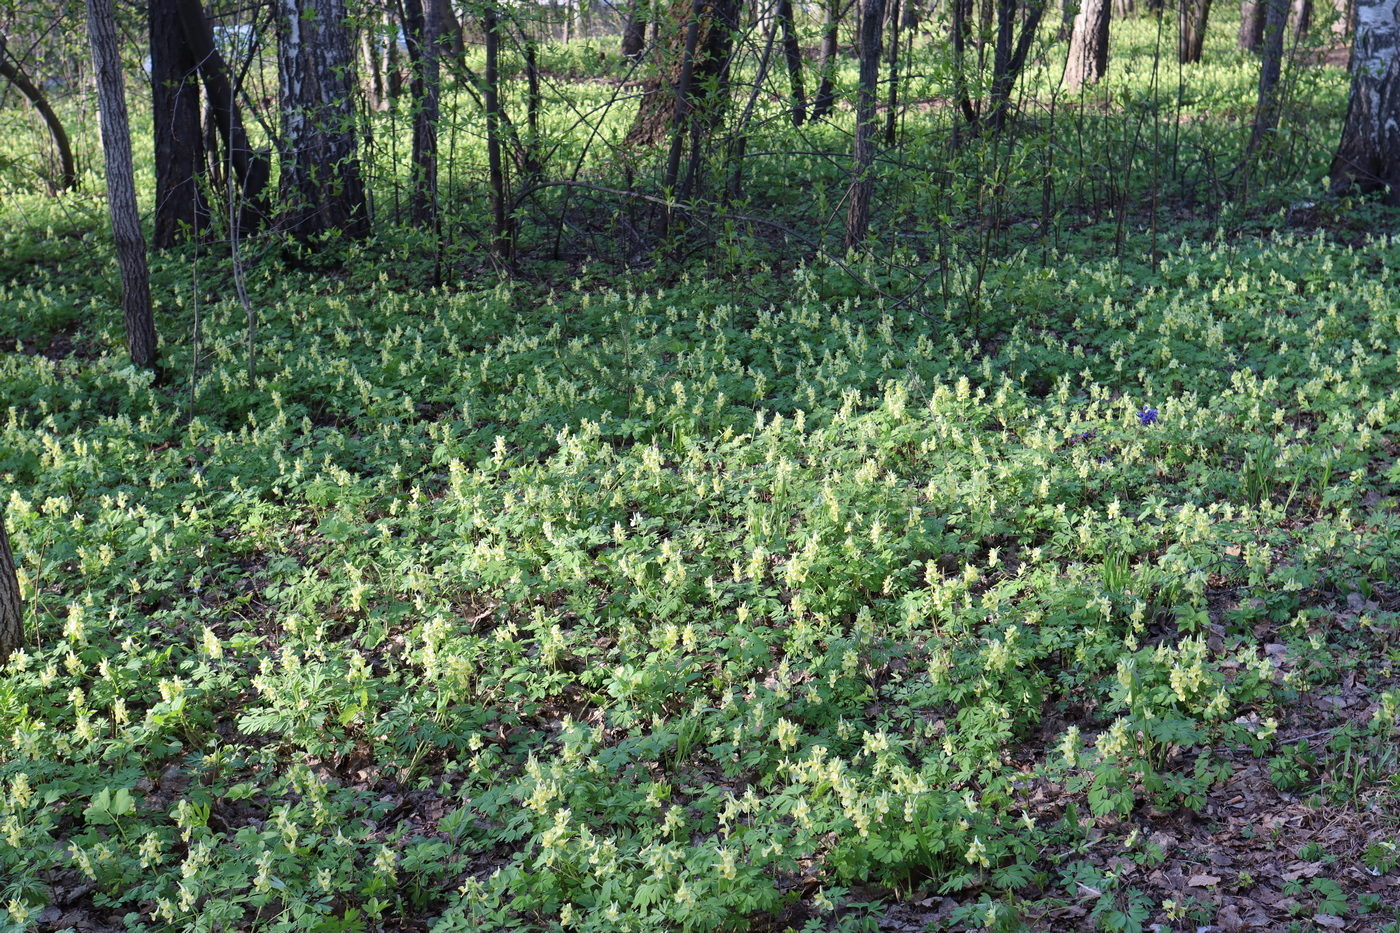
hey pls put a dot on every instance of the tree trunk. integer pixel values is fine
(11, 609)
(393, 70)
(634, 31)
(826, 88)
(370, 67)
(1088, 46)
(1368, 155)
(961, 10)
(121, 185)
(250, 169)
(1266, 113)
(322, 190)
(1010, 57)
(500, 240)
(12, 72)
(1302, 19)
(1251, 34)
(682, 115)
(423, 30)
(1193, 15)
(872, 16)
(453, 40)
(792, 54)
(892, 99)
(179, 142)
(716, 22)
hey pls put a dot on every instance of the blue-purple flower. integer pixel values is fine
(1147, 416)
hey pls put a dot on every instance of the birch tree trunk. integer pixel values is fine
(11, 609)
(322, 189)
(121, 185)
(1088, 45)
(1368, 155)
(872, 16)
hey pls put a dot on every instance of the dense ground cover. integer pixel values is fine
(511, 608)
(984, 581)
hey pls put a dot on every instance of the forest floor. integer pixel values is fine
(513, 607)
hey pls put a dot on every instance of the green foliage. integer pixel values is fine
(687, 601)
(650, 602)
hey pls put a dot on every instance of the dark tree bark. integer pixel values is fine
(792, 54)
(1251, 34)
(423, 30)
(121, 185)
(634, 31)
(1088, 46)
(1192, 16)
(11, 608)
(872, 16)
(681, 116)
(179, 141)
(715, 23)
(322, 190)
(393, 67)
(500, 236)
(11, 71)
(1368, 155)
(961, 12)
(892, 100)
(451, 35)
(1266, 113)
(826, 87)
(1010, 55)
(534, 105)
(250, 170)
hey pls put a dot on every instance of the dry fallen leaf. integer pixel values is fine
(1202, 881)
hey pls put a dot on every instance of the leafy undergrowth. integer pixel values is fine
(520, 610)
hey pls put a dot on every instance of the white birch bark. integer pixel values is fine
(1368, 157)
